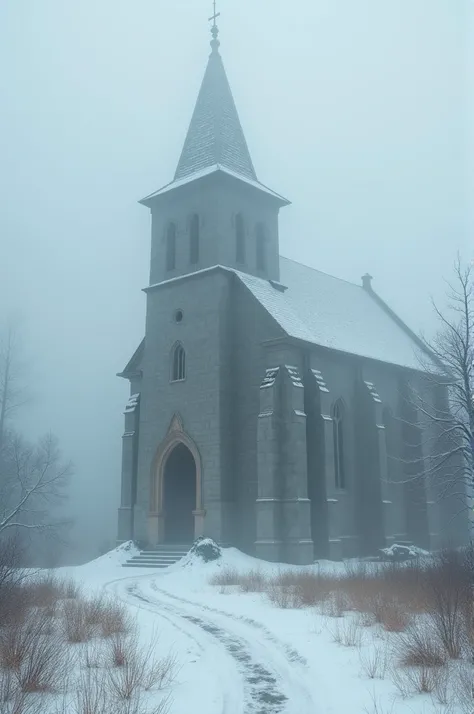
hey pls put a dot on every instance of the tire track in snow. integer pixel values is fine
(130, 595)
(262, 693)
(271, 668)
(291, 653)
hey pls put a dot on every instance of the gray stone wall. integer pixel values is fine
(201, 400)
(339, 374)
(252, 326)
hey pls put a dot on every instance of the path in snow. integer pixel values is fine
(270, 673)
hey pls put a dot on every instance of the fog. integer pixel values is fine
(356, 110)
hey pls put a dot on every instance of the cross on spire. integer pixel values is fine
(215, 15)
(214, 29)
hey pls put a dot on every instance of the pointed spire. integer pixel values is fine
(215, 135)
(215, 30)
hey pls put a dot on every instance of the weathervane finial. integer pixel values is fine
(214, 29)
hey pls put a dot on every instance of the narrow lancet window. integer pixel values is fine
(178, 365)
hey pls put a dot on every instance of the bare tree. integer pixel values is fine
(11, 389)
(33, 480)
(449, 414)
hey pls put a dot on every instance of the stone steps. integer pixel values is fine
(160, 557)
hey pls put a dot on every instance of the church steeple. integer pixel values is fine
(215, 136)
(215, 212)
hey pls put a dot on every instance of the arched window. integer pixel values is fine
(178, 364)
(338, 436)
(171, 247)
(260, 234)
(239, 239)
(194, 240)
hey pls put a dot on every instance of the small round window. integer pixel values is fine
(178, 316)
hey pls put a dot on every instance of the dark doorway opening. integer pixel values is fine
(179, 496)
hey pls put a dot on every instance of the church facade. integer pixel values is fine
(270, 404)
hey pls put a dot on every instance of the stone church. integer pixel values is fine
(270, 403)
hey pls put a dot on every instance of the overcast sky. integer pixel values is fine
(356, 110)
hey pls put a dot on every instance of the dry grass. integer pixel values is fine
(96, 617)
(91, 695)
(76, 622)
(420, 646)
(135, 667)
(46, 667)
(114, 619)
(93, 654)
(226, 577)
(419, 680)
(254, 581)
(374, 660)
(345, 632)
(42, 619)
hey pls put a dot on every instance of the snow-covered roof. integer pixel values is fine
(215, 141)
(327, 311)
(215, 135)
(207, 171)
(323, 310)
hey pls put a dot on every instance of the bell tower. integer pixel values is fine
(215, 211)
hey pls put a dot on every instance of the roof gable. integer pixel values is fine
(330, 312)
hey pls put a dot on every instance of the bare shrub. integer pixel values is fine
(419, 646)
(91, 694)
(393, 617)
(441, 692)
(227, 576)
(70, 589)
(311, 588)
(464, 688)
(280, 595)
(21, 703)
(377, 707)
(160, 673)
(418, 680)
(449, 586)
(77, 625)
(365, 619)
(119, 648)
(8, 685)
(125, 681)
(374, 660)
(98, 616)
(114, 619)
(45, 667)
(138, 667)
(252, 582)
(93, 654)
(94, 611)
(334, 629)
(44, 592)
(335, 605)
(351, 634)
(17, 639)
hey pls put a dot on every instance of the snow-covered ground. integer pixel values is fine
(239, 654)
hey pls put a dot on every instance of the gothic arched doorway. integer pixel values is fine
(179, 495)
